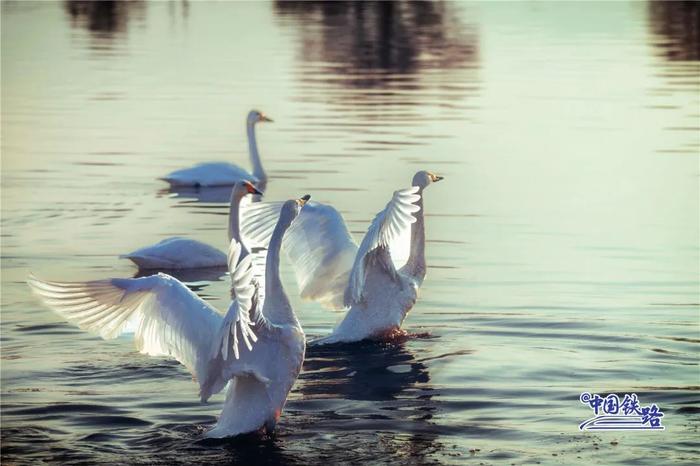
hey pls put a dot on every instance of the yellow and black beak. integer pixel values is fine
(265, 118)
(437, 178)
(303, 200)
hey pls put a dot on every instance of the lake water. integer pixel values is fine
(563, 245)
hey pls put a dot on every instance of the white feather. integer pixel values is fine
(389, 227)
(168, 318)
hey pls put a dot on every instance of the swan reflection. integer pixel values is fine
(368, 370)
(387, 387)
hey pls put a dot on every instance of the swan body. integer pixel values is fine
(183, 253)
(209, 175)
(387, 301)
(258, 390)
(377, 282)
(221, 173)
(257, 349)
(177, 253)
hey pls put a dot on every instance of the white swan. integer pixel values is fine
(170, 320)
(378, 281)
(184, 253)
(222, 173)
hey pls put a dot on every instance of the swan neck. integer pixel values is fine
(277, 308)
(234, 215)
(258, 171)
(416, 261)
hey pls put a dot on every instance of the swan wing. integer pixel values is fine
(168, 318)
(390, 230)
(245, 311)
(257, 222)
(317, 243)
(228, 356)
(257, 264)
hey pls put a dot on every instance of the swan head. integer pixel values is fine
(291, 209)
(424, 178)
(243, 188)
(255, 116)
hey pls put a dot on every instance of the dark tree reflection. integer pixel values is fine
(372, 39)
(103, 18)
(678, 23)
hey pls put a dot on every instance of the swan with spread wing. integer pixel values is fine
(221, 173)
(257, 349)
(184, 253)
(378, 281)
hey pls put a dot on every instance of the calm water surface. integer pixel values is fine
(562, 246)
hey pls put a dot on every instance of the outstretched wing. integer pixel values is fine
(390, 230)
(169, 319)
(241, 313)
(239, 322)
(318, 245)
(257, 222)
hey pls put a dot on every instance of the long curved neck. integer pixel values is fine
(416, 260)
(234, 215)
(254, 155)
(277, 308)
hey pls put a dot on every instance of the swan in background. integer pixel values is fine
(222, 173)
(184, 253)
(170, 320)
(378, 281)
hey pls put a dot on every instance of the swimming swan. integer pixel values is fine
(184, 253)
(378, 281)
(222, 173)
(170, 320)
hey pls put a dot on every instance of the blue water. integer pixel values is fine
(563, 245)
